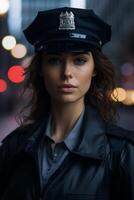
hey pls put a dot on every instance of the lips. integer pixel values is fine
(67, 86)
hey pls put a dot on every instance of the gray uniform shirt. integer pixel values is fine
(52, 155)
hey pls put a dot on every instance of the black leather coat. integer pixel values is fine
(100, 168)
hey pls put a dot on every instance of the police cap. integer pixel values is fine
(67, 29)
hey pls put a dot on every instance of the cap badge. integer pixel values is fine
(67, 21)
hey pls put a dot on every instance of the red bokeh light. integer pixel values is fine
(3, 85)
(16, 74)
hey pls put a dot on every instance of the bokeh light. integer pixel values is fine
(132, 96)
(129, 100)
(26, 61)
(4, 6)
(3, 85)
(127, 69)
(16, 74)
(119, 94)
(8, 42)
(19, 51)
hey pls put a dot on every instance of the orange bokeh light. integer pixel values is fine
(3, 85)
(16, 74)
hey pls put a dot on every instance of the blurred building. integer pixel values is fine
(120, 15)
(33, 6)
(26, 12)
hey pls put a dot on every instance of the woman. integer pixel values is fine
(68, 146)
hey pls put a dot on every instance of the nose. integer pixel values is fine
(67, 70)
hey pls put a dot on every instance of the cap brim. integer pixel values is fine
(66, 46)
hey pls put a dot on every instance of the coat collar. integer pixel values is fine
(93, 141)
(93, 138)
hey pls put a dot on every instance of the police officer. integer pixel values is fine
(69, 146)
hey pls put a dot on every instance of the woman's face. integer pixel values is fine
(67, 76)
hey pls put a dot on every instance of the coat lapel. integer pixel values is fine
(93, 140)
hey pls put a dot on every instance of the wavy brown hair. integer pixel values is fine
(99, 94)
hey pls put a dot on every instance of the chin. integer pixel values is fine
(68, 99)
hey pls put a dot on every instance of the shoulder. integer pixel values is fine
(122, 148)
(119, 133)
(121, 141)
(122, 145)
(14, 140)
(19, 132)
(19, 137)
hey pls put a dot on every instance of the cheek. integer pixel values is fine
(85, 79)
(86, 83)
(50, 79)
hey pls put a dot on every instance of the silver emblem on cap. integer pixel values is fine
(67, 21)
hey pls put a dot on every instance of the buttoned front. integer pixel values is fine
(88, 171)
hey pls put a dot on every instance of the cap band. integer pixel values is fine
(79, 38)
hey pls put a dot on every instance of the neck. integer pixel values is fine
(64, 117)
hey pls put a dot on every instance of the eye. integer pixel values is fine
(80, 61)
